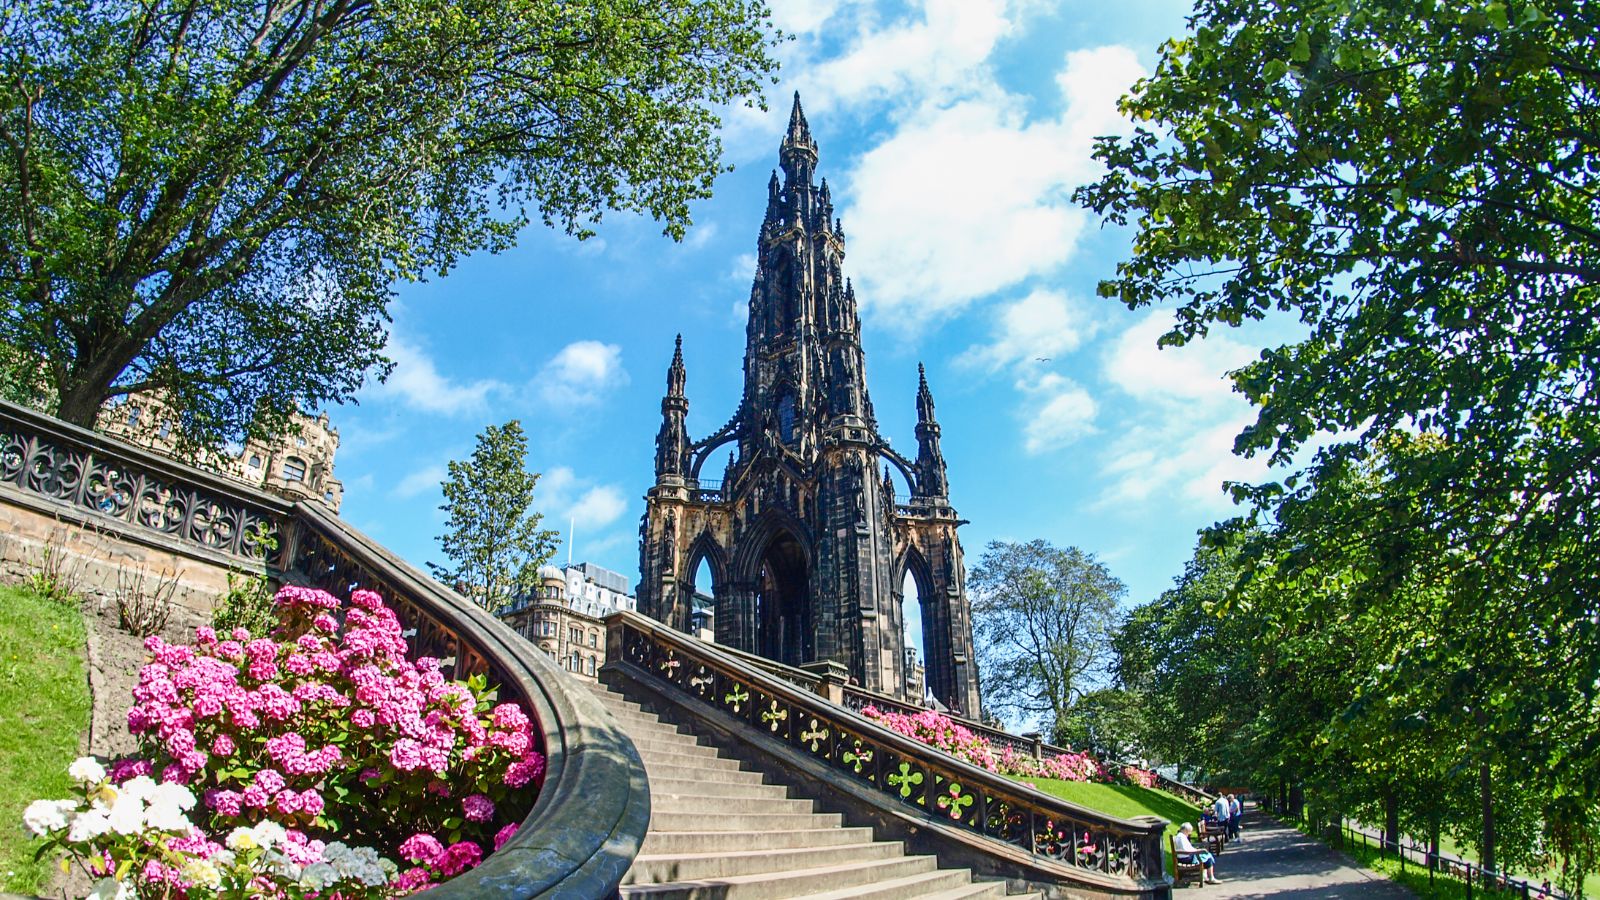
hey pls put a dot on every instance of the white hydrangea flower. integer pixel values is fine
(87, 770)
(45, 816)
(167, 817)
(109, 888)
(242, 838)
(202, 872)
(140, 788)
(268, 833)
(127, 815)
(173, 794)
(88, 826)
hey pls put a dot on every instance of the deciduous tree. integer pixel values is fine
(213, 197)
(492, 535)
(1042, 618)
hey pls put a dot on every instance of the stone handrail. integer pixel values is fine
(1061, 837)
(858, 698)
(593, 807)
(98, 481)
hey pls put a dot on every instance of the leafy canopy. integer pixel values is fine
(492, 535)
(1416, 184)
(1042, 617)
(213, 197)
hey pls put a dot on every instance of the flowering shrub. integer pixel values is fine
(136, 838)
(322, 730)
(942, 732)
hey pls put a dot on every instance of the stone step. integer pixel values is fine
(745, 823)
(682, 744)
(666, 771)
(695, 757)
(700, 787)
(721, 806)
(792, 883)
(657, 868)
(945, 884)
(666, 842)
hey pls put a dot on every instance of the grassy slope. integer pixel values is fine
(1123, 801)
(44, 710)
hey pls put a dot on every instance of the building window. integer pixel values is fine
(133, 417)
(589, 665)
(575, 635)
(299, 442)
(328, 497)
(594, 639)
(166, 428)
(575, 664)
(294, 469)
(255, 460)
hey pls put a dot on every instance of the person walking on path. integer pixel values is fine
(1235, 816)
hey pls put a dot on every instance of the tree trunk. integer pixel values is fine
(1486, 796)
(80, 404)
(1297, 799)
(1391, 819)
(1433, 841)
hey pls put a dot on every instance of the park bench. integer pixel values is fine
(1182, 871)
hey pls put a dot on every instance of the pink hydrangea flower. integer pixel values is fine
(477, 808)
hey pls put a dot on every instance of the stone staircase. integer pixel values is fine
(718, 831)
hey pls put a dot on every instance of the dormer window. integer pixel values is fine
(294, 469)
(255, 461)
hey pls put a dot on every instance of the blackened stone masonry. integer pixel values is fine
(806, 543)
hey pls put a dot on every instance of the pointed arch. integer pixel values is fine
(746, 563)
(706, 547)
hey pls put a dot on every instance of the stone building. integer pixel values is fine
(806, 541)
(297, 465)
(564, 614)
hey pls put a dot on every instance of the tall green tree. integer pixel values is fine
(1414, 185)
(492, 535)
(213, 197)
(1042, 619)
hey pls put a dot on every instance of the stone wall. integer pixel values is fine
(95, 559)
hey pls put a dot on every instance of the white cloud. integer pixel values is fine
(969, 198)
(580, 373)
(565, 497)
(417, 383)
(1180, 448)
(700, 235)
(1193, 373)
(930, 53)
(420, 481)
(1037, 328)
(1055, 411)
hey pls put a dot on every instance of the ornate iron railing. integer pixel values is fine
(902, 770)
(593, 807)
(103, 481)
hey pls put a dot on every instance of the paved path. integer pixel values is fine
(1277, 861)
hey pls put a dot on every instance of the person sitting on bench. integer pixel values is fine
(1189, 853)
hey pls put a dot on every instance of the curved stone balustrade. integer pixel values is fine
(594, 806)
(96, 480)
(992, 813)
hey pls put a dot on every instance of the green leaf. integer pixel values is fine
(1301, 51)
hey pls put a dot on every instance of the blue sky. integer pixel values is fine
(952, 133)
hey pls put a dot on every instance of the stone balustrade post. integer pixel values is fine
(831, 679)
(1036, 740)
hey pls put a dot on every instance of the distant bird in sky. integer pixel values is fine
(1042, 358)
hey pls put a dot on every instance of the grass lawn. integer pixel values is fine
(1123, 801)
(44, 711)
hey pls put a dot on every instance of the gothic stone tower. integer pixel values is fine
(806, 543)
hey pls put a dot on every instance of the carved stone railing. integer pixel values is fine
(991, 813)
(593, 807)
(96, 480)
(857, 698)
